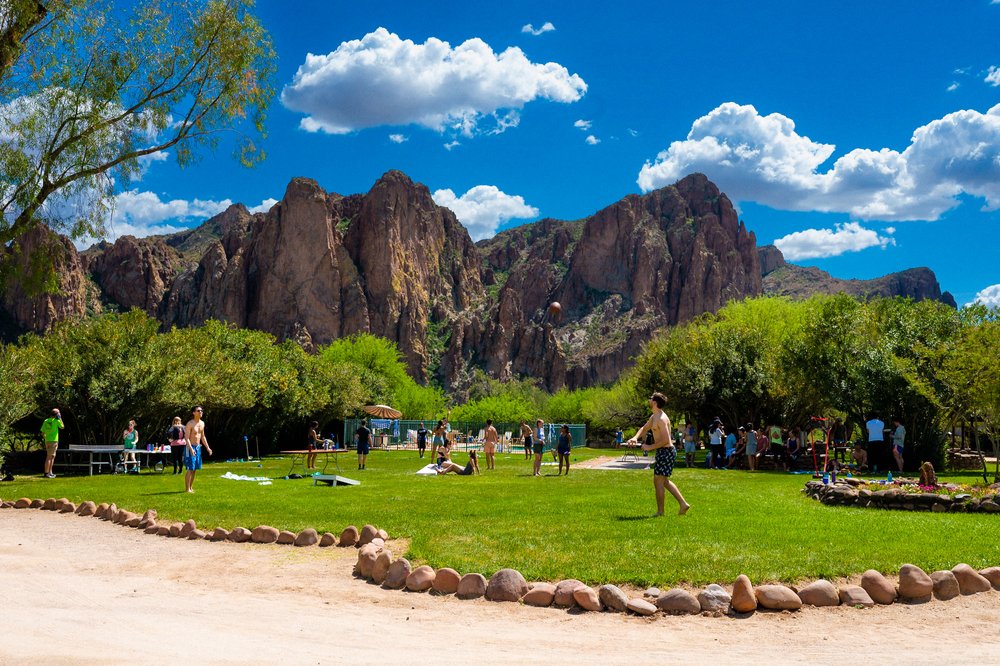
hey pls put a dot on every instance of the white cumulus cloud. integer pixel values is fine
(398, 138)
(993, 76)
(953, 87)
(847, 237)
(531, 30)
(264, 206)
(583, 124)
(382, 79)
(592, 140)
(764, 159)
(145, 209)
(484, 208)
(989, 297)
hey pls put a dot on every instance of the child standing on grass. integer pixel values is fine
(565, 444)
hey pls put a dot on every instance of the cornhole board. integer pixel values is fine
(334, 480)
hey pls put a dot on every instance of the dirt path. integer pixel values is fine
(83, 591)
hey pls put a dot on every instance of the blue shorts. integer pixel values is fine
(192, 463)
(563, 452)
(689, 447)
(363, 448)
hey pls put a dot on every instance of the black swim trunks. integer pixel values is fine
(663, 464)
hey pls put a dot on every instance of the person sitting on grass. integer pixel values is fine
(444, 452)
(793, 449)
(859, 456)
(471, 467)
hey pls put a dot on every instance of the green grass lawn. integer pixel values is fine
(592, 525)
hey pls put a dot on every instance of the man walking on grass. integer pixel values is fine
(364, 443)
(50, 433)
(666, 454)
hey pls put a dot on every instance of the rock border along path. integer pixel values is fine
(377, 564)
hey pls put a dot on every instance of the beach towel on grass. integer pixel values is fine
(429, 470)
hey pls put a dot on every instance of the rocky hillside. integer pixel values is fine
(783, 279)
(320, 265)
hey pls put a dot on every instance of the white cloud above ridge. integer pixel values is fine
(993, 76)
(382, 79)
(583, 125)
(953, 87)
(990, 297)
(821, 243)
(263, 206)
(531, 30)
(764, 159)
(484, 208)
(398, 138)
(592, 140)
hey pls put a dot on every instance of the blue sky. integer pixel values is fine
(862, 130)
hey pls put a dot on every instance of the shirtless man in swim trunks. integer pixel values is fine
(666, 454)
(491, 437)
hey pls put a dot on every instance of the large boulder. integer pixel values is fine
(22, 503)
(163, 530)
(914, 583)
(218, 534)
(198, 534)
(175, 530)
(970, 581)
(191, 526)
(472, 586)
(878, 587)
(307, 537)
(446, 581)
(640, 607)
(327, 540)
(678, 602)
(945, 585)
(368, 532)
(564, 592)
(819, 593)
(855, 595)
(49, 504)
(240, 535)
(992, 574)
(37, 503)
(348, 537)
(506, 585)
(381, 567)
(395, 577)
(69, 507)
(102, 509)
(714, 599)
(382, 534)
(264, 534)
(86, 508)
(587, 598)
(420, 579)
(134, 520)
(286, 537)
(744, 598)
(777, 597)
(151, 529)
(612, 597)
(540, 594)
(366, 560)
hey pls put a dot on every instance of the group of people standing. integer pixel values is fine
(533, 441)
(186, 442)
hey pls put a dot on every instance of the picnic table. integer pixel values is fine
(299, 457)
(154, 459)
(89, 457)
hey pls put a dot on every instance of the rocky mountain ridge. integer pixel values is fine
(318, 266)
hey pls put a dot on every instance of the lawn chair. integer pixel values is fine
(505, 442)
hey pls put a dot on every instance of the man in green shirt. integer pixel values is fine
(50, 433)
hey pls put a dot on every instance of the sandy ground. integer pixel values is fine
(82, 591)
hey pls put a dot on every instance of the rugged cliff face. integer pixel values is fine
(639, 264)
(783, 279)
(319, 266)
(34, 310)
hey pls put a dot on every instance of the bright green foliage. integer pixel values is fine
(88, 89)
(971, 375)
(17, 390)
(379, 366)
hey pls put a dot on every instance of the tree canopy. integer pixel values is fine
(90, 92)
